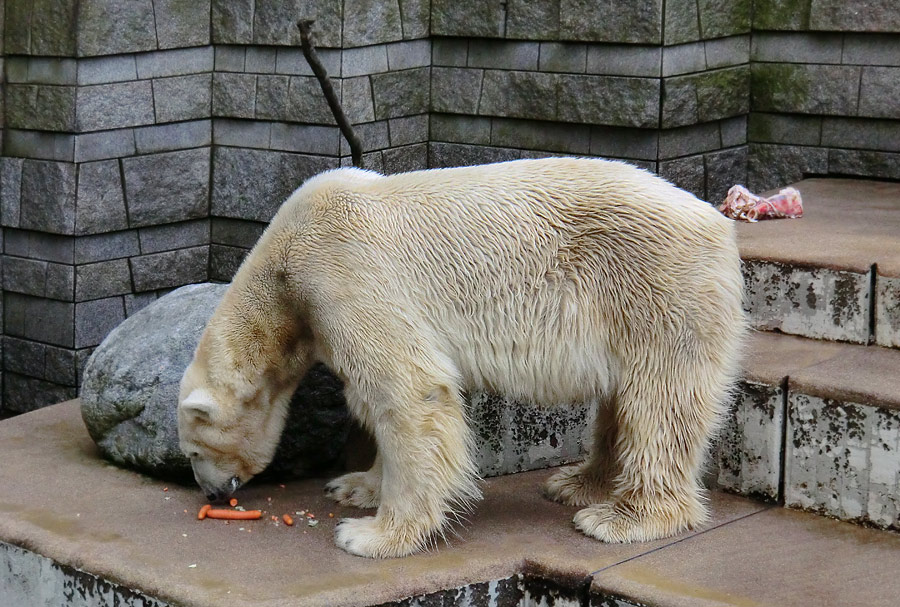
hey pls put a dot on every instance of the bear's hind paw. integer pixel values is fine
(366, 537)
(615, 525)
(360, 489)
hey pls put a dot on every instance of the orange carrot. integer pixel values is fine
(203, 512)
(234, 515)
(288, 520)
(233, 502)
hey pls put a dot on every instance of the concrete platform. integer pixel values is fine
(61, 501)
(833, 274)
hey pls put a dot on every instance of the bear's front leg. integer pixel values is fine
(427, 472)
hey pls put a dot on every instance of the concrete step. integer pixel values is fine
(816, 425)
(835, 273)
(75, 530)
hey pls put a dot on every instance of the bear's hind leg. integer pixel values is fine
(590, 481)
(360, 489)
(428, 472)
(665, 418)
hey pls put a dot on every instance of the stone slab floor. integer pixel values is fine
(58, 499)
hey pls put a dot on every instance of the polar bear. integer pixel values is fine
(551, 281)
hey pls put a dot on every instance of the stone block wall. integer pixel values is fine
(825, 80)
(146, 143)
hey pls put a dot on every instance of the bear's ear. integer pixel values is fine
(200, 402)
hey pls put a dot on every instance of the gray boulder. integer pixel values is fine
(129, 394)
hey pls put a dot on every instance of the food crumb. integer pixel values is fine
(312, 522)
(233, 502)
(165, 488)
(288, 520)
(331, 515)
(282, 486)
(192, 566)
(184, 535)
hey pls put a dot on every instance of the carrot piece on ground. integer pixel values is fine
(203, 512)
(288, 520)
(233, 502)
(234, 515)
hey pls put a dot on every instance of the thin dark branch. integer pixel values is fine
(309, 51)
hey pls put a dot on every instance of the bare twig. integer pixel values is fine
(309, 51)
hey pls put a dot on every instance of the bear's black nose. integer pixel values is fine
(214, 496)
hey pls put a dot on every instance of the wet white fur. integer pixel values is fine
(552, 281)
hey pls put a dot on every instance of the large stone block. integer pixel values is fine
(182, 23)
(41, 145)
(609, 100)
(502, 54)
(95, 319)
(782, 128)
(52, 27)
(781, 14)
(407, 55)
(40, 107)
(102, 70)
(274, 21)
(883, 135)
(224, 261)
(232, 58)
(723, 170)
(48, 197)
(41, 70)
(24, 357)
(804, 88)
(623, 142)
(22, 394)
(306, 103)
(688, 173)
(549, 136)
(373, 135)
(610, 21)
(120, 26)
(170, 269)
(113, 106)
(38, 278)
(371, 22)
(416, 18)
(863, 163)
(182, 97)
(260, 59)
(235, 232)
(100, 204)
(718, 19)
(173, 236)
(456, 154)
(39, 319)
(871, 49)
(175, 62)
(272, 97)
(706, 96)
(518, 95)
(777, 166)
(101, 247)
(855, 15)
(792, 47)
(357, 100)
(563, 57)
(450, 52)
(748, 452)
(167, 137)
(306, 138)
(364, 61)
(724, 52)
(841, 460)
(252, 184)
(815, 302)
(103, 279)
(104, 144)
(243, 133)
(887, 311)
(879, 90)
(403, 93)
(683, 59)
(39, 245)
(460, 129)
(232, 21)
(405, 158)
(408, 130)
(455, 90)
(167, 187)
(475, 18)
(529, 20)
(10, 190)
(17, 28)
(682, 21)
(233, 95)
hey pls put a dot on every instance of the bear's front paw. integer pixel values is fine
(360, 489)
(366, 537)
(573, 486)
(616, 525)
